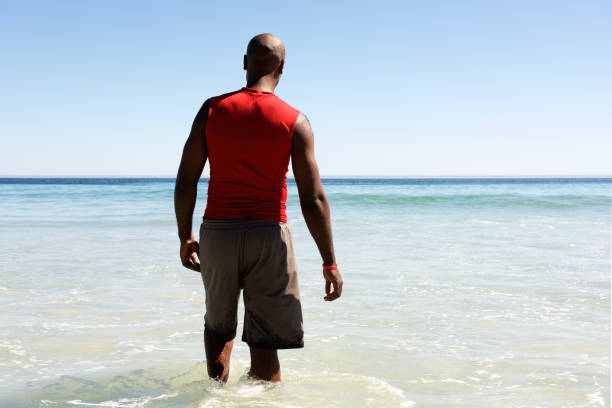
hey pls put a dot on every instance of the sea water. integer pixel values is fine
(458, 293)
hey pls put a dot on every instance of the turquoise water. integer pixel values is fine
(458, 293)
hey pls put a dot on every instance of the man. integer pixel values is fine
(249, 136)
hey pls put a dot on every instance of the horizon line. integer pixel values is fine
(382, 176)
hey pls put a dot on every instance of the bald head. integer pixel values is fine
(265, 56)
(266, 45)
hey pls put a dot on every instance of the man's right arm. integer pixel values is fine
(186, 187)
(315, 207)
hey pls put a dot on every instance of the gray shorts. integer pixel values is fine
(256, 256)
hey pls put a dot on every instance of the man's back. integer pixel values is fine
(248, 137)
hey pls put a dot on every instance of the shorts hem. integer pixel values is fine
(224, 338)
(274, 346)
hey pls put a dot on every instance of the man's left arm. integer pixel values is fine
(186, 189)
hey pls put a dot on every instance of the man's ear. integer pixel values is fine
(244, 62)
(281, 66)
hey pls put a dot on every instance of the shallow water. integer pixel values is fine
(458, 293)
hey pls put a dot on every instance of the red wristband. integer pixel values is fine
(330, 267)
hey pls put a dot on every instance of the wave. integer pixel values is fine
(475, 200)
(185, 384)
(326, 180)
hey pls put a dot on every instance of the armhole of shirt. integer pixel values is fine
(293, 125)
(210, 103)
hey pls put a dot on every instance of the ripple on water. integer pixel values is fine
(187, 385)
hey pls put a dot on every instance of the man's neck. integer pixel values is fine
(262, 84)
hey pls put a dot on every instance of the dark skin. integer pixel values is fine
(264, 63)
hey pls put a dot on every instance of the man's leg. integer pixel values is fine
(217, 357)
(219, 246)
(264, 364)
(272, 309)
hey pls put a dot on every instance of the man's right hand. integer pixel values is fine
(189, 254)
(332, 278)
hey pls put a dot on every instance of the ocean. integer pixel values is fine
(457, 293)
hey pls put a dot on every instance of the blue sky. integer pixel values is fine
(391, 88)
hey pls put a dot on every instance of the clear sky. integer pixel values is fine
(391, 88)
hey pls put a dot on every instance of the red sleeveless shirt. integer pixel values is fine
(248, 137)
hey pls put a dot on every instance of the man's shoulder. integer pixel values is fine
(214, 100)
(286, 106)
